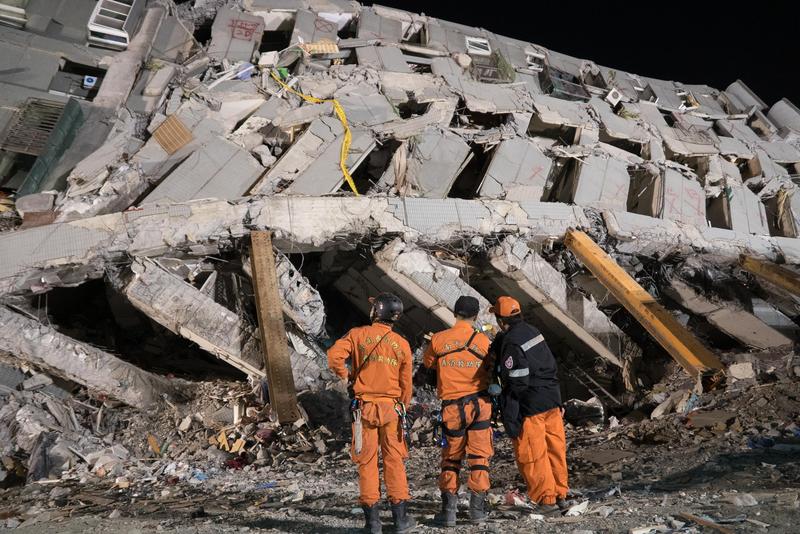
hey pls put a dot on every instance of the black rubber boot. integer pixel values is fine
(372, 518)
(565, 504)
(447, 517)
(477, 507)
(402, 521)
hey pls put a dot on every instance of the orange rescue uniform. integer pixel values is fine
(460, 357)
(384, 360)
(541, 453)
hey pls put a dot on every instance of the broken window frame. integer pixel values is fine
(535, 60)
(566, 86)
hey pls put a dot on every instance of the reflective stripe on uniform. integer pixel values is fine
(528, 345)
(518, 373)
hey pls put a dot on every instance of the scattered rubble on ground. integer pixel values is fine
(197, 197)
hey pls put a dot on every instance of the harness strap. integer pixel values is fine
(466, 347)
(461, 402)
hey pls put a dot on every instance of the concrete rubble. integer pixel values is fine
(384, 151)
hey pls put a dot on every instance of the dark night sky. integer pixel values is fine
(688, 42)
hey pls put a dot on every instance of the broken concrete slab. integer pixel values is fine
(616, 126)
(368, 110)
(320, 135)
(324, 174)
(439, 114)
(434, 160)
(683, 200)
(649, 236)
(371, 26)
(43, 347)
(302, 115)
(596, 181)
(218, 169)
(560, 112)
(310, 27)
(518, 171)
(383, 58)
(90, 174)
(786, 116)
(730, 319)
(490, 98)
(743, 98)
(401, 87)
(736, 206)
(302, 303)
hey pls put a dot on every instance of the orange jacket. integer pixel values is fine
(459, 373)
(386, 374)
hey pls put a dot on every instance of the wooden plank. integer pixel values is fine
(657, 320)
(172, 135)
(282, 394)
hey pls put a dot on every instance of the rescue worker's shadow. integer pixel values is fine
(724, 469)
(335, 510)
(299, 525)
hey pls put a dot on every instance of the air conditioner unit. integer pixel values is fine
(613, 97)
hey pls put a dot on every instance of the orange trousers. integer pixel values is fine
(476, 445)
(541, 451)
(380, 430)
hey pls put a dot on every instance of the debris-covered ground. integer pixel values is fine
(197, 197)
(732, 459)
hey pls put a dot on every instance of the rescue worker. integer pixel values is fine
(459, 358)
(380, 385)
(530, 402)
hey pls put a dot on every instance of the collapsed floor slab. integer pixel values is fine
(43, 347)
(568, 314)
(64, 254)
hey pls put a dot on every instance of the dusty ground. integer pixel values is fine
(636, 474)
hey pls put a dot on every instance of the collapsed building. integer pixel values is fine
(642, 223)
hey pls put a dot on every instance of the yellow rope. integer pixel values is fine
(337, 108)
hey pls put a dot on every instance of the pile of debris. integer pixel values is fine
(201, 196)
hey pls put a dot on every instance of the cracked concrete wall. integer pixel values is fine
(59, 355)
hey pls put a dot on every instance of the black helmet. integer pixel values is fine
(386, 307)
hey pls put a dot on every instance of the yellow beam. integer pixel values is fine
(775, 274)
(670, 334)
